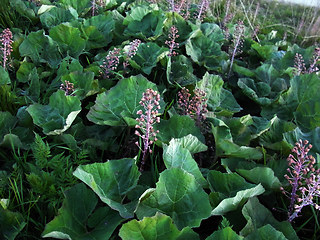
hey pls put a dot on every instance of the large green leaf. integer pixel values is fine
(119, 105)
(224, 234)
(220, 100)
(266, 87)
(225, 145)
(232, 189)
(111, 181)
(190, 142)
(23, 73)
(213, 32)
(11, 223)
(176, 156)
(227, 184)
(98, 31)
(136, 14)
(180, 71)
(274, 139)
(41, 49)
(149, 27)
(178, 195)
(246, 128)
(183, 26)
(258, 216)
(231, 204)
(177, 127)
(158, 227)
(22, 8)
(69, 65)
(263, 175)
(267, 232)
(58, 116)
(83, 82)
(69, 39)
(4, 76)
(78, 219)
(82, 6)
(265, 51)
(147, 56)
(7, 123)
(33, 92)
(313, 137)
(204, 51)
(55, 16)
(299, 103)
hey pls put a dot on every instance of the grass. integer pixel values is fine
(295, 23)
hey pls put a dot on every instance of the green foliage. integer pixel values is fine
(41, 152)
(62, 120)
(11, 224)
(41, 49)
(58, 116)
(78, 214)
(178, 195)
(258, 216)
(177, 127)
(119, 105)
(176, 156)
(159, 226)
(68, 39)
(226, 233)
(111, 181)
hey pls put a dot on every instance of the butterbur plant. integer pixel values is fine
(195, 107)
(303, 178)
(133, 48)
(172, 44)
(110, 63)
(6, 45)
(148, 117)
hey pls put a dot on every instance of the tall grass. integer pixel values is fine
(297, 23)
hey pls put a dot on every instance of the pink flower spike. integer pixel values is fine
(6, 48)
(149, 101)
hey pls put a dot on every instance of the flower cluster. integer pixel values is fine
(110, 63)
(202, 9)
(68, 88)
(303, 178)
(172, 44)
(133, 48)
(300, 66)
(228, 15)
(181, 7)
(314, 61)
(95, 4)
(195, 107)
(148, 117)
(6, 45)
(237, 42)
